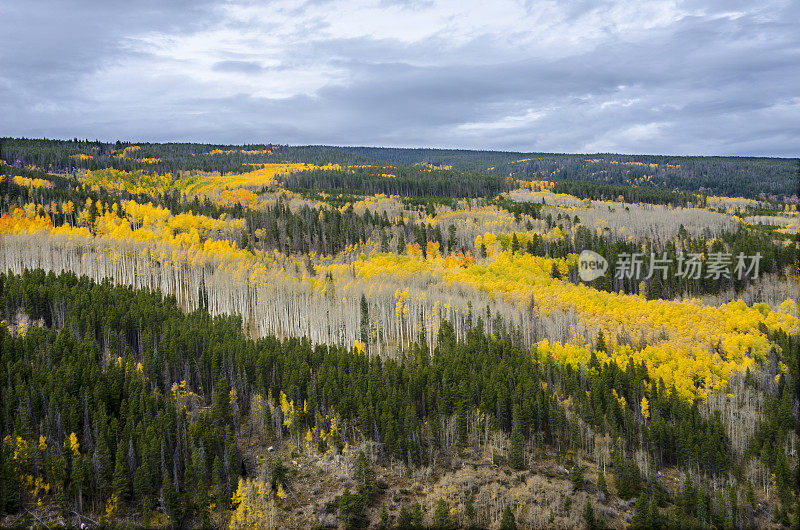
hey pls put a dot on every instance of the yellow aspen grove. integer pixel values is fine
(277, 336)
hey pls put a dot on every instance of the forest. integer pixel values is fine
(198, 335)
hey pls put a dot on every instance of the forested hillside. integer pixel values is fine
(728, 176)
(265, 336)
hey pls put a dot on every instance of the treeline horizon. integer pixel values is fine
(769, 178)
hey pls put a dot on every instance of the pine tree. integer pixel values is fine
(217, 480)
(641, 513)
(601, 482)
(508, 522)
(404, 521)
(517, 456)
(196, 484)
(620, 474)
(634, 478)
(221, 405)
(9, 487)
(600, 344)
(588, 515)
(469, 508)
(654, 519)
(170, 498)
(384, 241)
(105, 466)
(416, 515)
(365, 478)
(441, 515)
(554, 272)
(121, 482)
(688, 498)
(278, 474)
(365, 322)
(351, 510)
(576, 476)
(383, 523)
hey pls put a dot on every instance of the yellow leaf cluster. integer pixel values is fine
(32, 183)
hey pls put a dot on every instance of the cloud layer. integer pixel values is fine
(693, 77)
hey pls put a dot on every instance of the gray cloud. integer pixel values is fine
(717, 78)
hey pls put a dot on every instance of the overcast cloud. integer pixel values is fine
(697, 77)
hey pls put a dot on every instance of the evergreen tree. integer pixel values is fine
(588, 515)
(364, 476)
(517, 456)
(688, 497)
(105, 466)
(441, 515)
(576, 476)
(508, 522)
(364, 321)
(122, 482)
(278, 474)
(221, 405)
(404, 521)
(351, 510)
(621, 480)
(416, 515)
(469, 509)
(641, 514)
(170, 498)
(9, 488)
(654, 519)
(600, 344)
(554, 272)
(383, 522)
(601, 482)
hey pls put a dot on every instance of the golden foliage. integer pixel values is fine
(253, 505)
(32, 183)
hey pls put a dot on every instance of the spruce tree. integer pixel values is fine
(620, 474)
(441, 515)
(9, 487)
(469, 508)
(383, 523)
(364, 321)
(121, 481)
(364, 476)
(601, 482)
(588, 515)
(576, 476)
(641, 513)
(508, 521)
(404, 521)
(517, 456)
(600, 344)
(170, 498)
(416, 515)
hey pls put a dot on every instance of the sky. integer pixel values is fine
(713, 77)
